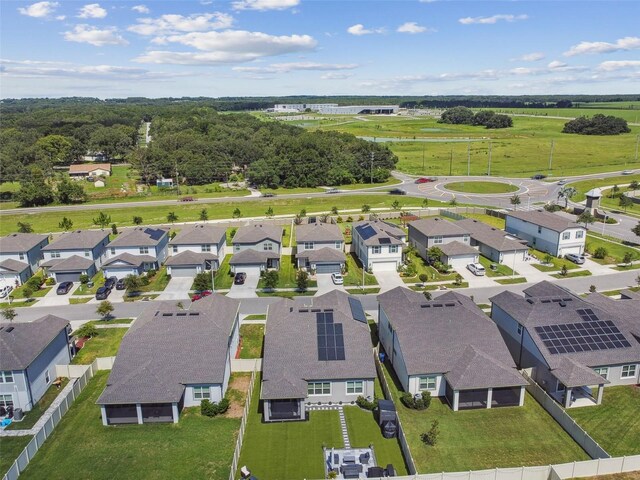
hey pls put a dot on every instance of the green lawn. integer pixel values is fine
(353, 277)
(364, 430)
(578, 273)
(360, 291)
(10, 448)
(481, 187)
(496, 222)
(615, 424)
(485, 439)
(586, 185)
(511, 281)
(157, 283)
(254, 316)
(288, 450)
(33, 415)
(106, 344)
(252, 336)
(423, 268)
(98, 281)
(615, 251)
(556, 263)
(78, 301)
(223, 277)
(81, 447)
(501, 270)
(287, 274)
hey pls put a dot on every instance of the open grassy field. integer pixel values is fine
(481, 187)
(615, 251)
(586, 185)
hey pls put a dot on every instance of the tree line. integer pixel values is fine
(465, 116)
(597, 125)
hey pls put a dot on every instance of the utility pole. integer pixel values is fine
(213, 285)
(489, 169)
(551, 155)
(372, 154)
(637, 141)
(177, 179)
(468, 159)
(423, 145)
(450, 161)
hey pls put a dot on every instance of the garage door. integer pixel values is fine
(461, 261)
(118, 273)
(249, 269)
(68, 277)
(328, 268)
(384, 266)
(183, 271)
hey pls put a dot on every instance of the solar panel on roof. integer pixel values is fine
(357, 312)
(587, 315)
(330, 337)
(576, 337)
(366, 231)
(154, 234)
(385, 241)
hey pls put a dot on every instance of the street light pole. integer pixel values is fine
(489, 169)
(372, 167)
(423, 146)
(604, 223)
(551, 155)
(637, 141)
(213, 285)
(468, 159)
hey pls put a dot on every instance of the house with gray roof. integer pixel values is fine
(20, 256)
(172, 358)
(320, 247)
(548, 232)
(135, 251)
(317, 351)
(378, 245)
(29, 353)
(449, 348)
(76, 253)
(452, 239)
(256, 248)
(495, 244)
(571, 346)
(195, 249)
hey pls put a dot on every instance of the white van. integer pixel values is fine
(5, 290)
(476, 268)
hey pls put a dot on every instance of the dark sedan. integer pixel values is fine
(240, 278)
(103, 293)
(111, 282)
(64, 288)
(120, 284)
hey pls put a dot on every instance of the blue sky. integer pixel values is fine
(288, 47)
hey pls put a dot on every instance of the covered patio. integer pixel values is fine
(574, 385)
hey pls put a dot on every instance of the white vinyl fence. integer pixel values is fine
(243, 425)
(246, 365)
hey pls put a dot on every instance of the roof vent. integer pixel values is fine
(181, 314)
(194, 314)
(449, 304)
(167, 314)
(530, 300)
(562, 304)
(425, 305)
(437, 305)
(9, 329)
(290, 309)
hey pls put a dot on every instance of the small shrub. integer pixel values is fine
(50, 281)
(564, 271)
(592, 288)
(339, 220)
(600, 253)
(552, 207)
(421, 403)
(431, 437)
(423, 277)
(84, 279)
(210, 409)
(145, 281)
(87, 330)
(366, 404)
(152, 273)
(349, 219)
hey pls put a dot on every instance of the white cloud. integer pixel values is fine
(336, 76)
(231, 46)
(531, 57)
(61, 17)
(411, 27)
(613, 65)
(264, 4)
(39, 10)
(626, 43)
(358, 29)
(173, 24)
(491, 20)
(95, 36)
(556, 64)
(140, 9)
(92, 10)
(295, 66)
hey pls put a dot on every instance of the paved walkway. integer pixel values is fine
(45, 416)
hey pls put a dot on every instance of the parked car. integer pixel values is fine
(425, 180)
(562, 182)
(103, 293)
(111, 282)
(5, 290)
(199, 295)
(628, 172)
(575, 258)
(120, 284)
(187, 199)
(240, 278)
(337, 279)
(333, 190)
(64, 288)
(539, 176)
(477, 269)
(268, 194)
(397, 191)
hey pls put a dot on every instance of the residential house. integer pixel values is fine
(195, 249)
(76, 253)
(448, 347)
(452, 239)
(20, 255)
(569, 345)
(317, 351)
(30, 352)
(547, 232)
(256, 248)
(170, 359)
(136, 251)
(82, 171)
(495, 244)
(378, 245)
(320, 247)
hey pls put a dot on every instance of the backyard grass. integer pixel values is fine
(486, 438)
(254, 316)
(196, 447)
(422, 268)
(223, 278)
(252, 339)
(495, 222)
(32, 416)
(481, 187)
(105, 344)
(353, 277)
(288, 450)
(615, 424)
(10, 448)
(287, 274)
(364, 430)
(615, 251)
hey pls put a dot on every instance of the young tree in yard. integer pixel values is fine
(303, 213)
(236, 213)
(636, 229)
(638, 280)
(628, 258)
(24, 227)
(202, 282)
(625, 202)
(9, 314)
(302, 280)
(586, 218)
(515, 201)
(137, 220)
(425, 202)
(104, 309)
(65, 224)
(396, 205)
(114, 229)
(271, 278)
(434, 254)
(634, 185)
(458, 280)
(204, 216)
(27, 291)
(567, 193)
(431, 437)
(592, 289)
(548, 259)
(564, 271)
(600, 253)
(269, 212)
(334, 210)
(87, 331)
(102, 220)
(366, 208)
(614, 191)
(172, 217)
(453, 202)
(132, 283)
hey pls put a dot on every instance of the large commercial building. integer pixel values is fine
(335, 109)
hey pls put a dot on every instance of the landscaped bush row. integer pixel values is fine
(422, 402)
(366, 404)
(211, 409)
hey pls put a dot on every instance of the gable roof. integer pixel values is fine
(14, 265)
(21, 342)
(626, 308)
(377, 232)
(139, 237)
(20, 242)
(88, 167)
(199, 234)
(325, 254)
(256, 233)
(250, 256)
(492, 237)
(431, 227)
(318, 232)
(70, 264)
(455, 248)
(77, 240)
(290, 357)
(167, 348)
(189, 257)
(545, 219)
(129, 259)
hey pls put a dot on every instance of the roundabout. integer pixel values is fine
(481, 187)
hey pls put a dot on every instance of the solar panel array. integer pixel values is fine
(385, 241)
(582, 337)
(357, 312)
(330, 337)
(366, 231)
(587, 315)
(155, 234)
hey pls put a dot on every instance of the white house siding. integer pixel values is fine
(159, 252)
(32, 257)
(544, 239)
(422, 243)
(339, 392)
(572, 244)
(615, 373)
(441, 384)
(215, 391)
(239, 247)
(119, 271)
(368, 258)
(508, 258)
(216, 249)
(392, 348)
(18, 390)
(10, 278)
(98, 254)
(316, 246)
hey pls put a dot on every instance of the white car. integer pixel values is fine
(5, 290)
(562, 182)
(477, 269)
(337, 279)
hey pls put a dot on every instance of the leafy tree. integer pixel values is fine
(457, 116)
(614, 191)
(69, 192)
(65, 224)
(24, 227)
(396, 205)
(137, 220)
(434, 254)
(636, 229)
(202, 282)
(271, 278)
(114, 229)
(431, 437)
(172, 217)
(600, 253)
(548, 259)
(269, 212)
(104, 309)
(567, 193)
(132, 283)
(204, 216)
(84, 279)
(102, 220)
(236, 213)
(625, 202)
(8, 313)
(334, 210)
(628, 258)
(515, 201)
(453, 202)
(34, 191)
(303, 212)
(54, 148)
(564, 271)
(302, 280)
(425, 202)
(597, 125)
(586, 218)
(366, 208)
(592, 289)
(87, 330)
(499, 121)
(458, 280)
(634, 185)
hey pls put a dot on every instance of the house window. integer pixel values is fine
(55, 254)
(355, 387)
(628, 371)
(144, 250)
(21, 256)
(437, 240)
(465, 238)
(6, 376)
(602, 371)
(308, 245)
(47, 377)
(376, 249)
(6, 401)
(319, 388)
(539, 229)
(393, 248)
(268, 246)
(201, 393)
(205, 248)
(519, 329)
(566, 235)
(175, 249)
(427, 383)
(338, 245)
(580, 234)
(87, 253)
(113, 251)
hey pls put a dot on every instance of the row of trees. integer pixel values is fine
(465, 116)
(37, 190)
(597, 125)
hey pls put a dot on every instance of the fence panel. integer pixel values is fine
(243, 423)
(13, 473)
(32, 448)
(22, 460)
(40, 437)
(245, 365)
(104, 363)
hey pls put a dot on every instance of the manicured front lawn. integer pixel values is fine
(106, 344)
(157, 283)
(223, 279)
(98, 281)
(287, 274)
(579, 273)
(288, 450)
(252, 336)
(485, 439)
(615, 424)
(81, 447)
(353, 277)
(18, 293)
(556, 263)
(422, 268)
(32, 416)
(10, 448)
(615, 251)
(511, 281)
(501, 270)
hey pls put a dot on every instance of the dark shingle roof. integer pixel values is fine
(318, 232)
(257, 233)
(167, 347)
(449, 335)
(492, 237)
(325, 254)
(250, 256)
(291, 350)
(573, 374)
(545, 219)
(79, 239)
(377, 232)
(133, 260)
(71, 264)
(189, 258)
(139, 237)
(626, 309)
(20, 242)
(454, 248)
(22, 345)
(14, 265)
(199, 235)
(431, 227)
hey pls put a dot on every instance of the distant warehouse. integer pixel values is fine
(335, 109)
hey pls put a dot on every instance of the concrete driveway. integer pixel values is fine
(177, 289)
(52, 299)
(389, 280)
(325, 284)
(248, 290)
(474, 280)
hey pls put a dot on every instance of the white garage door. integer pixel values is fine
(183, 271)
(118, 273)
(249, 269)
(384, 266)
(461, 261)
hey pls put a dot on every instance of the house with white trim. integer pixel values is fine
(73, 254)
(195, 249)
(256, 248)
(320, 247)
(135, 251)
(378, 245)
(20, 256)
